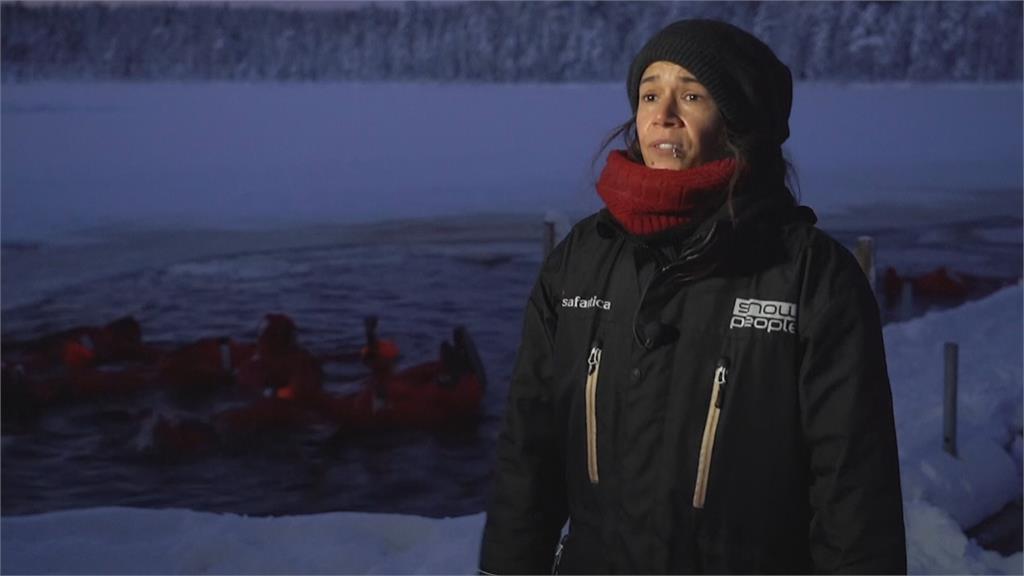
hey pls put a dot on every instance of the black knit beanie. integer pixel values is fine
(752, 88)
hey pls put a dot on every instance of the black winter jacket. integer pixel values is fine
(714, 400)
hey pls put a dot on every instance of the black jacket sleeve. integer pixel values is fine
(528, 503)
(846, 407)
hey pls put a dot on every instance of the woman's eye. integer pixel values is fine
(691, 97)
(649, 97)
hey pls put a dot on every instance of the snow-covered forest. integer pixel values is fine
(493, 41)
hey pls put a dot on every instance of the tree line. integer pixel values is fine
(493, 41)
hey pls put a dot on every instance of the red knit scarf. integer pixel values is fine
(647, 200)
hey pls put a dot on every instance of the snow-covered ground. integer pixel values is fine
(942, 495)
(133, 541)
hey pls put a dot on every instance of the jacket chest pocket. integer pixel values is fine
(586, 387)
(752, 404)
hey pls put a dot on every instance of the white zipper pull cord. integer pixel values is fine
(590, 395)
(707, 444)
(720, 378)
(594, 360)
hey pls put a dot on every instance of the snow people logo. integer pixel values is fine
(768, 315)
(593, 302)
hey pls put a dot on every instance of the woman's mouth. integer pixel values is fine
(668, 149)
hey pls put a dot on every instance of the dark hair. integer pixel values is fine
(755, 159)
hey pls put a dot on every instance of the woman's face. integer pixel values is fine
(677, 123)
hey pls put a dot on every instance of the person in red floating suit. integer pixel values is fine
(279, 367)
(86, 349)
(892, 284)
(443, 392)
(281, 380)
(284, 378)
(205, 365)
(939, 283)
(118, 341)
(381, 356)
(438, 393)
(76, 363)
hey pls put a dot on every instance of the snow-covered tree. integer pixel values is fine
(494, 41)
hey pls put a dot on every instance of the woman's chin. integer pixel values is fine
(668, 163)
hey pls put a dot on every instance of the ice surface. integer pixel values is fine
(33, 273)
(1007, 234)
(85, 155)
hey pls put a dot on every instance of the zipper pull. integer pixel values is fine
(595, 358)
(721, 377)
(558, 553)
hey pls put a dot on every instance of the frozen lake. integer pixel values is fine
(130, 156)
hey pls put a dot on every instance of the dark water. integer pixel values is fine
(1001, 532)
(986, 254)
(100, 453)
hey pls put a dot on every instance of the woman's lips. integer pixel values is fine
(667, 148)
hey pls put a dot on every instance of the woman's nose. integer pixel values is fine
(667, 114)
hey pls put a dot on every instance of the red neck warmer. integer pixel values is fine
(646, 200)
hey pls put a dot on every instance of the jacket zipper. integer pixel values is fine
(707, 445)
(594, 368)
(558, 553)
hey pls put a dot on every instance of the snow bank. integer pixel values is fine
(936, 545)
(985, 477)
(132, 541)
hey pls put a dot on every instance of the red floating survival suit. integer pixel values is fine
(206, 364)
(285, 378)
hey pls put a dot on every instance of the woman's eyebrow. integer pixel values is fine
(683, 79)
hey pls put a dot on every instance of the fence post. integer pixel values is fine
(549, 234)
(949, 407)
(865, 254)
(906, 298)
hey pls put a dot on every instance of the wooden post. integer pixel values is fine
(906, 298)
(949, 406)
(865, 254)
(549, 235)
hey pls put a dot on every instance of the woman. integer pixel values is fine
(701, 385)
